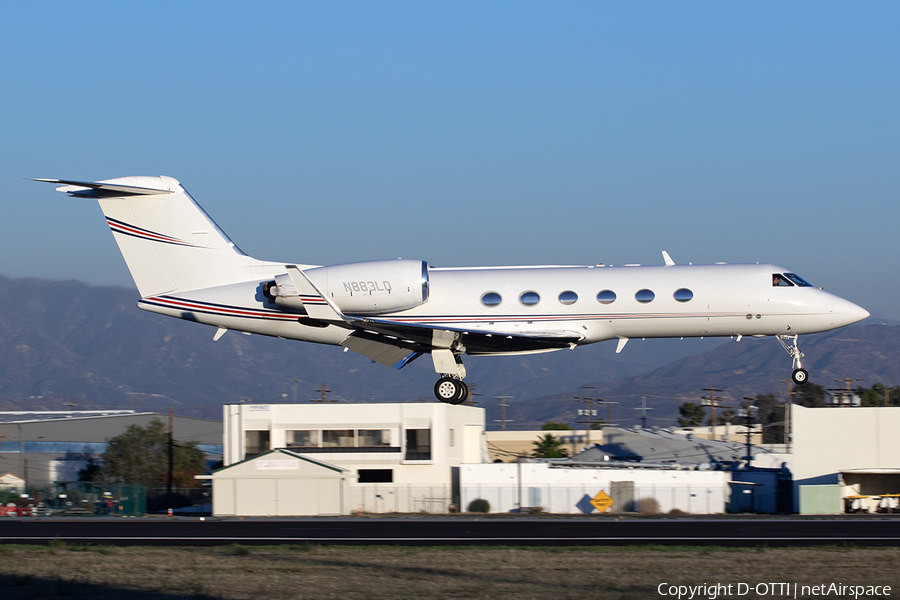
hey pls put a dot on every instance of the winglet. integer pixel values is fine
(668, 259)
(316, 304)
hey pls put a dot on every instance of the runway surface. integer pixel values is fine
(184, 531)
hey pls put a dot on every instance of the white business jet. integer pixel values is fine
(394, 311)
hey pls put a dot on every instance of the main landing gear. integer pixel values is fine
(800, 375)
(451, 391)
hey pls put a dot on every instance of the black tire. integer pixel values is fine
(463, 393)
(800, 376)
(448, 390)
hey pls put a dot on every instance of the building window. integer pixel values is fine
(375, 476)
(418, 444)
(255, 442)
(452, 437)
(374, 437)
(341, 438)
(308, 438)
(491, 299)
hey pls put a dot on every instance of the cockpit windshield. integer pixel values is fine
(797, 280)
(788, 280)
(778, 280)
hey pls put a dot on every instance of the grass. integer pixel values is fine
(389, 572)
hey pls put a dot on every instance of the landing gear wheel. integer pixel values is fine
(463, 393)
(449, 390)
(800, 376)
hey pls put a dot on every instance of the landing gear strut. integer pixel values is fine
(451, 391)
(800, 375)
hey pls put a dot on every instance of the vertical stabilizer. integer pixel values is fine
(168, 241)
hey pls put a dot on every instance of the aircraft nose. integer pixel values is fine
(847, 313)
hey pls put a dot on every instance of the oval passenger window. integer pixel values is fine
(684, 295)
(568, 297)
(644, 296)
(491, 299)
(606, 297)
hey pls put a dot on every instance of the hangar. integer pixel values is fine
(280, 483)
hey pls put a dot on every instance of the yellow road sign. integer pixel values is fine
(602, 501)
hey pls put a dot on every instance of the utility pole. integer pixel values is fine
(296, 381)
(472, 393)
(171, 451)
(643, 410)
(845, 393)
(748, 411)
(788, 403)
(503, 406)
(324, 395)
(588, 412)
(712, 401)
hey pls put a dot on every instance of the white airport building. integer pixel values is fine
(398, 457)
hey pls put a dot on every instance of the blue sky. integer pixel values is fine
(467, 133)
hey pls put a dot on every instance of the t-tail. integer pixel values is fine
(168, 241)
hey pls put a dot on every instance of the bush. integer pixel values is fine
(648, 506)
(480, 505)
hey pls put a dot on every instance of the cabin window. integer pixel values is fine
(606, 297)
(797, 280)
(529, 298)
(568, 297)
(779, 280)
(491, 299)
(644, 296)
(683, 295)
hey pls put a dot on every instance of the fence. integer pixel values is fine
(398, 498)
(81, 499)
(575, 499)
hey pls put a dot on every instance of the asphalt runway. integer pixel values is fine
(183, 531)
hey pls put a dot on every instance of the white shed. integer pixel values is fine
(280, 483)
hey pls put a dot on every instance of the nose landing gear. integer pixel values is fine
(799, 375)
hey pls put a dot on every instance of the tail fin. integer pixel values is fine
(168, 241)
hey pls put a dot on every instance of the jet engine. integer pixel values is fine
(371, 287)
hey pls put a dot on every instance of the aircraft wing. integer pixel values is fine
(426, 337)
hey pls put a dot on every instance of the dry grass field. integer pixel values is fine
(349, 573)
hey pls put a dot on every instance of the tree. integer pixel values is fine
(140, 455)
(771, 416)
(810, 395)
(555, 426)
(726, 416)
(92, 471)
(549, 446)
(691, 414)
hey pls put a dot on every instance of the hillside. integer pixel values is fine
(870, 353)
(65, 341)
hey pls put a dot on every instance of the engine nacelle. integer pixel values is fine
(371, 287)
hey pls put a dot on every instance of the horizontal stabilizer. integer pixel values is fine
(100, 189)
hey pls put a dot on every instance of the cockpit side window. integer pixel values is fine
(797, 280)
(778, 280)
